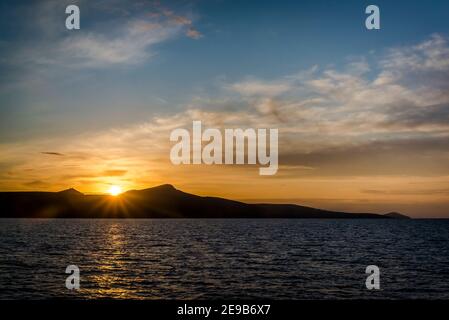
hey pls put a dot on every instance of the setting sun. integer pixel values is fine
(115, 190)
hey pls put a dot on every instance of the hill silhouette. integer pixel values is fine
(164, 201)
(396, 215)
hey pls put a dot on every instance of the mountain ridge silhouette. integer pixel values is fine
(164, 201)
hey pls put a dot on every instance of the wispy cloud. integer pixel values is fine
(401, 99)
(125, 34)
(52, 153)
(408, 192)
(114, 173)
(430, 55)
(261, 88)
(131, 45)
(193, 33)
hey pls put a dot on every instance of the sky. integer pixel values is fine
(363, 115)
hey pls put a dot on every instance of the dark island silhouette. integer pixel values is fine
(164, 201)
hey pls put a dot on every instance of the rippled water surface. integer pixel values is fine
(202, 259)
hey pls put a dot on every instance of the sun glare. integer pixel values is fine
(114, 190)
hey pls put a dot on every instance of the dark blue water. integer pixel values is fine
(202, 259)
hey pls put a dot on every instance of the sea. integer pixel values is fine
(281, 259)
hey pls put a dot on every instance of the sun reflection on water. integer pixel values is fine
(107, 279)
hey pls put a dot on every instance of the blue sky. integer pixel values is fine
(264, 39)
(103, 99)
